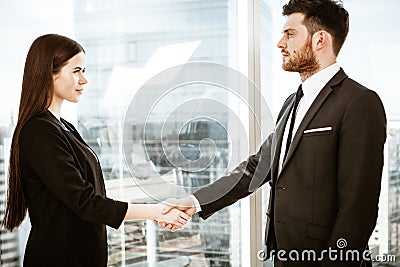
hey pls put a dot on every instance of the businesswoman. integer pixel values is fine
(54, 174)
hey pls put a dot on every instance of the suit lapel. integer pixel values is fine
(312, 111)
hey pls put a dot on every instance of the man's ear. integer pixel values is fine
(321, 39)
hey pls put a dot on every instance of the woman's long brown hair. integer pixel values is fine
(47, 55)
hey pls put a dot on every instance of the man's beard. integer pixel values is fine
(303, 62)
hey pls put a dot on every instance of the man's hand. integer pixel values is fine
(175, 217)
(184, 204)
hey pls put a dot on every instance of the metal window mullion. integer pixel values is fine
(254, 135)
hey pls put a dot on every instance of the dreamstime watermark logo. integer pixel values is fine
(187, 120)
(340, 254)
(341, 243)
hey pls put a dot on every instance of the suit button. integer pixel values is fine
(282, 188)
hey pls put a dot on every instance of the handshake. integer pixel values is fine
(175, 213)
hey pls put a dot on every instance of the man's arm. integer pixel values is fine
(253, 173)
(360, 162)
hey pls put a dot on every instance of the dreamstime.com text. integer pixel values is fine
(330, 254)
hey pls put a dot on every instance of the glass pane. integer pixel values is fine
(173, 138)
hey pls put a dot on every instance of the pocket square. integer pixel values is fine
(323, 129)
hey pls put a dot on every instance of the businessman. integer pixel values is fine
(324, 159)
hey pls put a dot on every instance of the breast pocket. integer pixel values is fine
(318, 131)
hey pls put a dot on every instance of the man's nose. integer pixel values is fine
(281, 44)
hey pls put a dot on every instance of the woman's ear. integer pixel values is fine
(56, 76)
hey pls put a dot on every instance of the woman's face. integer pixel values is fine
(68, 84)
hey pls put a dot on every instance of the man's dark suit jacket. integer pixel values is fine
(329, 185)
(64, 188)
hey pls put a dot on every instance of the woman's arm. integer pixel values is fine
(50, 159)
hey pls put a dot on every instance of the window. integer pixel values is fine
(184, 120)
(127, 44)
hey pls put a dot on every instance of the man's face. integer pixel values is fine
(296, 46)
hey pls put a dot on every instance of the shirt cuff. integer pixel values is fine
(196, 203)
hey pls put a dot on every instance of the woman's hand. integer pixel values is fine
(184, 204)
(176, 218)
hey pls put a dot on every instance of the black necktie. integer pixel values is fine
(299, 95)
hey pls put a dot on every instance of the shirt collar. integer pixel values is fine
(317, 81)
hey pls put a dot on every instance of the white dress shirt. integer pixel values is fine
(311, 88)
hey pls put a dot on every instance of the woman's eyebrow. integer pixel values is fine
(79, 68)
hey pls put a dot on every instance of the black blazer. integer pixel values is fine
(64, 188)
(329, 185)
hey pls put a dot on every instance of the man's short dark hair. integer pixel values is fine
(328, 15)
